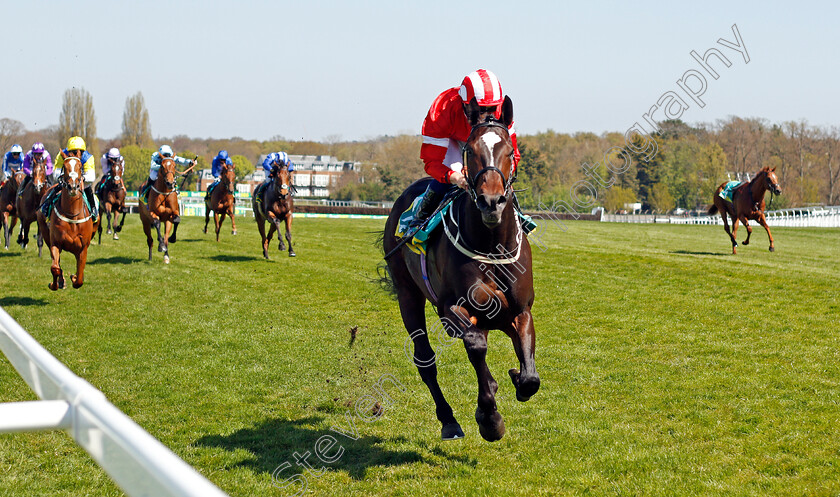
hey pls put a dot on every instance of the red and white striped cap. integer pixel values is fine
(484, 86)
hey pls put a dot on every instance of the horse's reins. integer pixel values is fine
(466, 151)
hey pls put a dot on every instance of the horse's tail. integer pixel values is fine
(384, 278)
(713, 209)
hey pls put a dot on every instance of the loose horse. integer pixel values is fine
(8, 204)
(162, 208)
(747, 203)
(70, 225)
(478, 277)
(222, 201)
(111, 192)
(275, 204)
(28, 203)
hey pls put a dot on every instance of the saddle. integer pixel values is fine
(729, 190)
(420, 236)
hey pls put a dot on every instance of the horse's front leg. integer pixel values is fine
(218, 219)
(491, 426)
(78, 279)
(763, 221)
(733, 235)
(232, 220)
(55, 269)
(746, 223)
(6, 229)
(119, 228)
(280, 245)
(108, 216)
(167, 229)
(526, 380)
(289, 234)
(40, 239)
(156, 224)
(175, 220)
(206, 216)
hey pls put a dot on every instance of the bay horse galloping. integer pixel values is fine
(111, 192)
(70, 225)
(273, 202)
(28, 203)
(221, 201)
(163, 208)
(747, 203)
(8, 204)
(478, 277)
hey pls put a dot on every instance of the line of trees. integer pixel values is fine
(691, 160)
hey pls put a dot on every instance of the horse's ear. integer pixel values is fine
(507, 111)
(471, 110)
(774, 169)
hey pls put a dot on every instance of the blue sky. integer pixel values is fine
(356, 70)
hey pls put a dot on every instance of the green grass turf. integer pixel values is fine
(668, 366)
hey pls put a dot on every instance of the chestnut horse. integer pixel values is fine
(162, 208)
(747, 203)
(273, 203)
(70, 225)
(28, 203)
(222, 201)
(8, 204)
(478, 277)
(111, 192)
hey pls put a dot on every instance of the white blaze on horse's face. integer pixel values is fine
(490, 140)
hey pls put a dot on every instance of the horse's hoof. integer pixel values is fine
(166, 259)
(205, 231)
(233, 232)
(108, 232)
(525, 388)
(451, 431)
(118, 229)
(116, 236)
(75, 284)
(52, 286)
(772, 249)
(746, 242)
(292, 253)
(172, 239)
(491, 428)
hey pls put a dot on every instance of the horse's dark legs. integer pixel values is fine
(280, 245)
(723, 214)
(176, 220)
(526, 380)
(734, 234)
(218, 219)
(491, 426)
(40, 241)
(763, 221)
(99, 234)
(261, 228)
(206, 216)
(156, 224)
(107, 210)
(6, 230)
(117, 229)
(289, 234)
(412, 309)
(749, 229)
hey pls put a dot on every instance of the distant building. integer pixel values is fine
(314, 176)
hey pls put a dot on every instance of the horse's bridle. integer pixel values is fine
(466, 151)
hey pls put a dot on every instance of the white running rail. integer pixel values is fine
(135, 460)
(817, 217)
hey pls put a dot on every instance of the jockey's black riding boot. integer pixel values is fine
(94, 212)
(427, 206)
